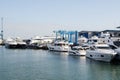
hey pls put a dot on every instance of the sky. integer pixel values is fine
(29, 18)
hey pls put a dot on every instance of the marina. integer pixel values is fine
(69, 55)
(59, 40)
(63, 57)
(99, 47)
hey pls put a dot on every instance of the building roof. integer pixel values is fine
(111, 31)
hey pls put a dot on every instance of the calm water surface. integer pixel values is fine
(16, 64)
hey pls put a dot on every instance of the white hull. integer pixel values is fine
(15, 43)
(77, 53)
(58, 48)
(104, 56)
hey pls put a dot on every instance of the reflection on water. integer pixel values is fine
(27, 64)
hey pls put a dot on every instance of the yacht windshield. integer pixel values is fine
(95, 40)
(103, 47)
(113, 47)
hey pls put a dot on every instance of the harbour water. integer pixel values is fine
(27, 64)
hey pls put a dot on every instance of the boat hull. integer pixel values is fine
(77, 53)
(16, 46)
(106, 57)
(10, 46)
(58, 48)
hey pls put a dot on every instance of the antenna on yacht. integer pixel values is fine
(1, 28)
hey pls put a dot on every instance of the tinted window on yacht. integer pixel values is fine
(90, 55)
(102, 55)
(103, 47)
(95, 40)
(113, 47)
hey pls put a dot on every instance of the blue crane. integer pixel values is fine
(63, 34)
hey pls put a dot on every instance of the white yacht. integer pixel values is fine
(82, 40)
(77, 51)
(20, 43)
(10, 43)
(40, 42)
(61, 46)
(15, 43)
(101, 52)
(103, 38)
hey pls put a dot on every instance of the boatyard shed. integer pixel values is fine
(113, 33)
(89, 34)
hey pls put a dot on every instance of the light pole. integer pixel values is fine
(2, 28)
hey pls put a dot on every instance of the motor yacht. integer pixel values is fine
(77, 51)
(100, 52)
(62, 46)
(40, 42)
(15, 43)
(10, 43)
(20, 43)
